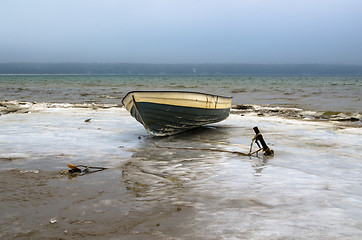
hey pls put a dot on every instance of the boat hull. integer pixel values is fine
(168, 113)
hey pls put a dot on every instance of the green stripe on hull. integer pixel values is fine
(164, 120)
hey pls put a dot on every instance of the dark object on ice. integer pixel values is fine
(165, 113)
(259, 138)
(88, 120)
(75, 170)
(243, 107)
(351, 119)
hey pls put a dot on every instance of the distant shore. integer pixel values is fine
(179, 69)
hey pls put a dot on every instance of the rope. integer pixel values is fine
(191, 148)
(100, 168)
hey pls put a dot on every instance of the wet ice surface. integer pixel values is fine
(310, 189)
(49, 139)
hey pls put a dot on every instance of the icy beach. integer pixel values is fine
(310, 189)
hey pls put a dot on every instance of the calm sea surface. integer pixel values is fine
(313, 93)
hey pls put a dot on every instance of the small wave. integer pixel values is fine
(180, 86)
(238, 90)
(14, 106)
(110, 97)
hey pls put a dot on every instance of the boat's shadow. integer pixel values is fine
(200, 135)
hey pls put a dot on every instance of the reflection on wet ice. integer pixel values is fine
(169, 174)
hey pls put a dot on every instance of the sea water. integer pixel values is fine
(310, 189)
(314, 93)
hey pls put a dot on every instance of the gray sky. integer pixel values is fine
(181, 31)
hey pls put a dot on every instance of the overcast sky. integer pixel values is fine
(181, 31)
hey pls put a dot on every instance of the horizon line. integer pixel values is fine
(144, 63)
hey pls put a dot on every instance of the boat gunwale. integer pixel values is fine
(173, 91)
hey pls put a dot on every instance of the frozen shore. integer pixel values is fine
(309, 189)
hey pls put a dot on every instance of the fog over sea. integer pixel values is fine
(310, 189)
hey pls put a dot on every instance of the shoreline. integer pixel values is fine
(14, 106)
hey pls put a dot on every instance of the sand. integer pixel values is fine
(48, 205)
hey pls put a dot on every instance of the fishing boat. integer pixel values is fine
(165, 113)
